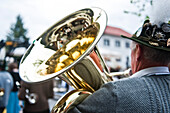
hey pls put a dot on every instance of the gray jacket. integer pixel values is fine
(147, 94)
(6, 82)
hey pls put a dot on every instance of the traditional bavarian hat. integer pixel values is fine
(152, 35)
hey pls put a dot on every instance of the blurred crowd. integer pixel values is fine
(17, 96)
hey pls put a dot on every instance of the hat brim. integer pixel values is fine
(146, 43)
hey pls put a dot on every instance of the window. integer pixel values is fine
(127, 45)
(118, 59)
(106, 42)
(127, 62)
(117, 43)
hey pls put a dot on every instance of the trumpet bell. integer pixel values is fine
(63, 45)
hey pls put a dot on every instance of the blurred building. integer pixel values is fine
(115, 49)
(11, 51)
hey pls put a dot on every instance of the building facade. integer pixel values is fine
(115, 49)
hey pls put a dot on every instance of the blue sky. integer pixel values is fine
(39, 15)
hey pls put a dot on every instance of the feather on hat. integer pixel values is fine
(155, 32)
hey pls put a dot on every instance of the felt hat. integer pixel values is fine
(152, 35)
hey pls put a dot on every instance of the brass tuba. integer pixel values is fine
(64, 50)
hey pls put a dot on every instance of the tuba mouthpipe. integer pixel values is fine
(125, 73)
(103, 64)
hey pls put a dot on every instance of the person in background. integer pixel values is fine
(35, 96)
(13, 104)
(6, 85)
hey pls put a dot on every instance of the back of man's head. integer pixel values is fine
(156, 55)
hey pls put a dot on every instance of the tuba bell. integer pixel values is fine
(64, 51)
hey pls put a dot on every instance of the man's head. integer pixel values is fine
(150, 46)
(144, 57)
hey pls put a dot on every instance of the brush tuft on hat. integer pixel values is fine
(159, 12)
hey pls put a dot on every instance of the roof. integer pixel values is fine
(116, 31)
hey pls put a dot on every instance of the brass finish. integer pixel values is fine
(123, 74)
(63, 45)
(57, 51)
(64, 103)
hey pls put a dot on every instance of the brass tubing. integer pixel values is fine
(103, 64)
(72, 81)
(81, 82)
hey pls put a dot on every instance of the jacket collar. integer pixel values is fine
(150, 71)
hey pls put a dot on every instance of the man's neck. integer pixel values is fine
(148, 64)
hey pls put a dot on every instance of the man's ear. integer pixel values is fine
(138, 52)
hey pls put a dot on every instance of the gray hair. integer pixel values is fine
(154, 55)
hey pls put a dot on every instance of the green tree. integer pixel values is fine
(141, 6)
(18, 32)
(16, 38)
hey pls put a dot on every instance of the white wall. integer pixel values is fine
(114, 52)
